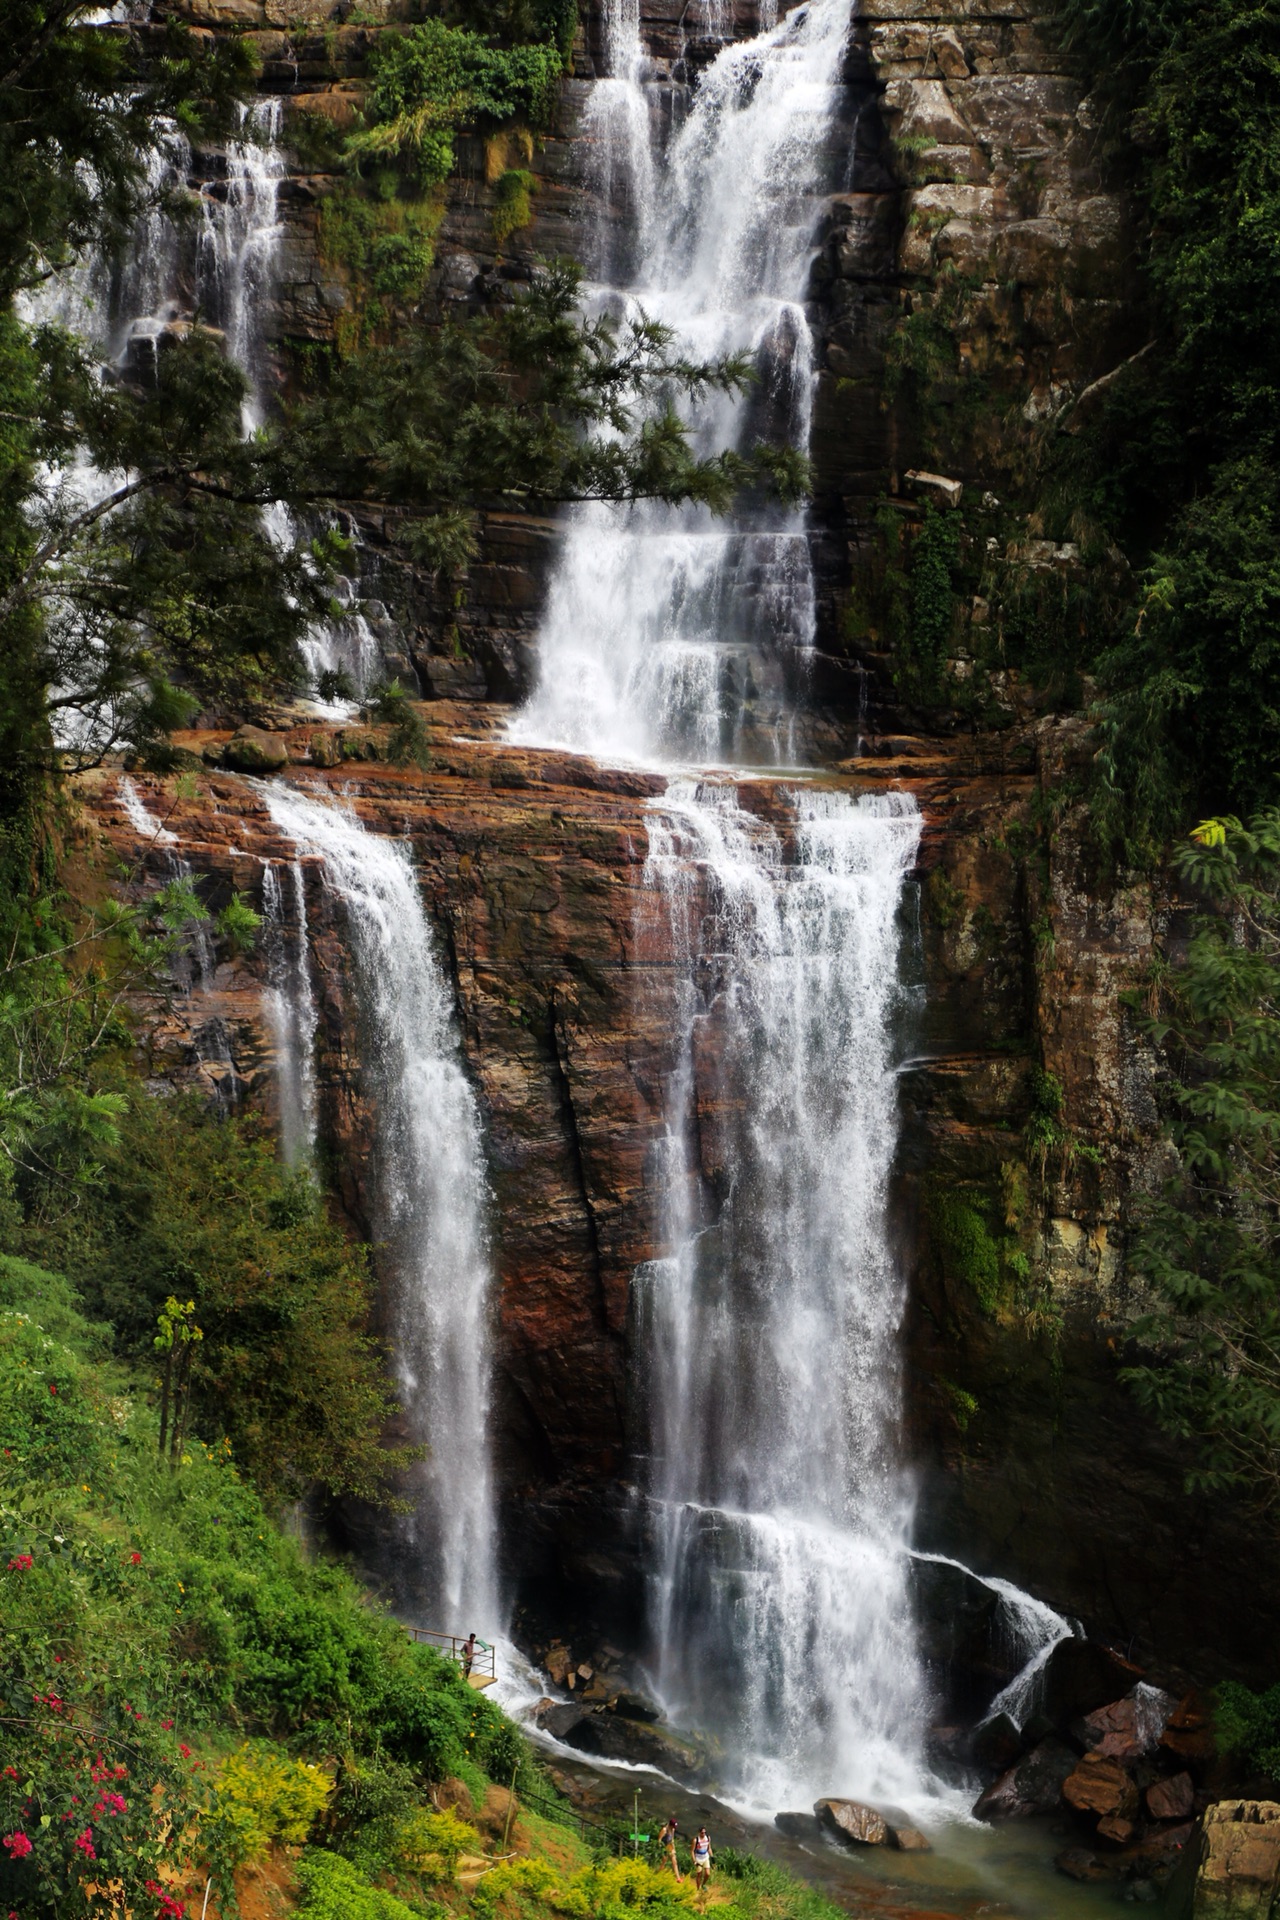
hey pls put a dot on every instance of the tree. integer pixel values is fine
(1209, 1245)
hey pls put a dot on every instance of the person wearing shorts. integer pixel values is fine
(667, 1840)
(701, 1859)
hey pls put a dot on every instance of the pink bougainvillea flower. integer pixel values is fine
(84, 1844)
(18, 1844)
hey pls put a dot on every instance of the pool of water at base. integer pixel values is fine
(1004, 1872)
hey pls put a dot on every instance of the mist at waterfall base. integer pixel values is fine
(429, 1205)
(777, 1508)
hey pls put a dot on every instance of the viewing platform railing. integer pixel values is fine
(484, 1662)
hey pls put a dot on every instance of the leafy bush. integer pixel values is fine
(333, 1890)
(261, 1796)
(1209, 1245)
(1247, 1726)
(433, 80)
(189, 1200)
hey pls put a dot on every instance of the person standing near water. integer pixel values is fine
(468, 1655)
(667, 1840)
(701, 1859)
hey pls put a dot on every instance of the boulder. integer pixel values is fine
(908, 1839)
(850, 1820)
(797, 1826)
(1116, 1830)
(558, 1719)
(1080, 1676)
(997, 1742)
(254, 750)
(1078, 1863)
(1129, 1728)
(1099, 1785)
(325, 749)
(1239, 1871)
(1033, 1785)
(1172, 1799)
(611, 1737)
(1189, 1733)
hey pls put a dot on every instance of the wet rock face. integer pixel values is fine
(1239, 1871)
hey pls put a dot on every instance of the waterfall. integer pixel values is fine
(290, 1004)
(429, 1203)
(238, 253)
(779, 1506)
(669, 635)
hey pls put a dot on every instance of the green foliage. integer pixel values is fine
(513, 203)
(385, 245)
(147, 1618)
(966, 1247)
(1181, 467)
(935, 552)
(333, 1890)
(433, 80)
(186, 1199)
(261, 1796)
(408, 744)
(1246, 1726)
(1209, 1246)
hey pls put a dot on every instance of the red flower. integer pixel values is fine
(18, 1844)
(11, 1773)
(135, 1559)
(21, 1563)
(52, 1388)
(84, 1844)
(167, 1725)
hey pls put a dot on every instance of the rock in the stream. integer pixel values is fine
(1033, 1785)
(850, 1820)
(1189, 1733)
(1172, 1799)
(254, 750)
(558, 1719)
(1129, 1728)
(797, 1826)
(997, 1742)
(611, 1736)
(1101, 1786)
(863, 1826)
(1079, 1677)
(1078, 1863)
(1239, 1874)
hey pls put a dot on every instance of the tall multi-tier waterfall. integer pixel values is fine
(778, 1507)
(429, 1196)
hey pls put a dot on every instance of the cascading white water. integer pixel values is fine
(290, 1004)
(669, 635)
(430, 1202)
(238, 252)
(780, 1507)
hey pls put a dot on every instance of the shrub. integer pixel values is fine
(261, 1795)
(333, 1890)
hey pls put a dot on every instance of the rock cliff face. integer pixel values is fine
(975, 204)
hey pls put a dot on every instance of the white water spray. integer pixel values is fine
(430, 1202)
(290, 1004)
(780, 1506)
(669, 635)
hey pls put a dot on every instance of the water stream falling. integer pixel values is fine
(778, 1506)
(290, 1005)
(669, 635)
(429, 1202)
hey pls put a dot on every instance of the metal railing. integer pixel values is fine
(483, 1664)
